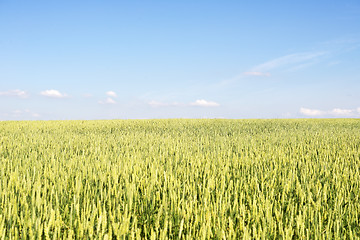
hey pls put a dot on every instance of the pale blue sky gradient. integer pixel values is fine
(179, 59)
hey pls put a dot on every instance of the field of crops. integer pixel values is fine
(180, 179)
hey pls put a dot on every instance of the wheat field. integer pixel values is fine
(180, 179)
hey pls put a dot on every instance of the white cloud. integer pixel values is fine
(108, 101)
(204, 103)
(336, 112)
(342, 112)
(311, 112)
(111, 94)
(258, 74)
(53, 93)
(15, 93)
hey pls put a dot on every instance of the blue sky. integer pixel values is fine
(179, 59)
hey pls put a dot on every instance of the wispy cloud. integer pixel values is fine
(199, 103)
(333, 63)
(257, 74)
(336, 112)
(15, 93)
(342, 45)
(53, 94)
(204, 103)
(298, 60)
(108, 101)
(22, 114)
(111, 94)
(156, 104)
(164, 104)
(87, 95)
(288, 61)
